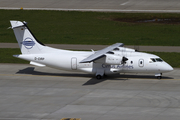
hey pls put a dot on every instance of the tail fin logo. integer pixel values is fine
(28, 43)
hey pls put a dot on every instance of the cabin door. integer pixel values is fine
(74, 63)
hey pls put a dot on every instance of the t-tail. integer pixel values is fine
(26, 40)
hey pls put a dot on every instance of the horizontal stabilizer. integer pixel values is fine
(16, 24)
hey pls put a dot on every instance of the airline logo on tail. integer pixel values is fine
(28, 43)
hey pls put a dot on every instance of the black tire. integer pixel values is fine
(98, 77)
(159, 77)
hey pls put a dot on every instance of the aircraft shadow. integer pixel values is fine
(31, 71)
(143, 76)
(93, 80)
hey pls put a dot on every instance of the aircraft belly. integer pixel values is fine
(87, 70)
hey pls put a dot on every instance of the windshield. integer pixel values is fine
(155, 60)
(159, 60)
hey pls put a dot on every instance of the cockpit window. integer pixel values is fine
(155, 60)
(159, 60)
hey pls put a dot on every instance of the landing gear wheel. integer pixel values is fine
(159, 75)
(98, 76)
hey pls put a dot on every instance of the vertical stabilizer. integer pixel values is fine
(26, 40)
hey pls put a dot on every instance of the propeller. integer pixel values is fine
(124, 59)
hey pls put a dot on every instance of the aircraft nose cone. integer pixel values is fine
(168, 68)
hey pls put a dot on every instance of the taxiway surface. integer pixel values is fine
(95, 5)
(28, 92)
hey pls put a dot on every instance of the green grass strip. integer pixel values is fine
(71, 27)
(171, 58)
(6, 55)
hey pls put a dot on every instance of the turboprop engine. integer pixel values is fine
(124, 49)
(112, 59)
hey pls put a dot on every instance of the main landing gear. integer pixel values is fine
(99, 74)
(98, 77)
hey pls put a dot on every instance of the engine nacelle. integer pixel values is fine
(124, 49)
(113, 59)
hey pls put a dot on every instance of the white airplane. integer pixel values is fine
(111, 60)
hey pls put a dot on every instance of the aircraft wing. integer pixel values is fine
(101, 53)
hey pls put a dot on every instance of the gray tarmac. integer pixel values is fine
(35, 93)
(95, 5)
(42, 93)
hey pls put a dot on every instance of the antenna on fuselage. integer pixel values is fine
(136, 47)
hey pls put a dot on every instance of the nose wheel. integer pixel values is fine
(159, 76)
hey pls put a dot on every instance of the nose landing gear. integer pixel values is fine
(159, 75)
